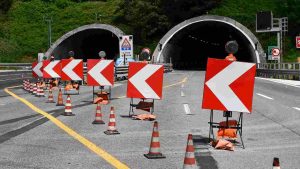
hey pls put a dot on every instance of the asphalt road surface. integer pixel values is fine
(12, 78)
(29, 140)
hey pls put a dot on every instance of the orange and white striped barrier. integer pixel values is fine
(68, 107)
(276, 164)
(189, 159)
(50, 97)
(98, 116)
(60, 101)
(112, 123)
(154, 151)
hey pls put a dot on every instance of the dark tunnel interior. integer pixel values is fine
(190, 47)
(88, 43)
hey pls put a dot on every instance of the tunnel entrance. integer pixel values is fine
(188, 45)
(87, 42)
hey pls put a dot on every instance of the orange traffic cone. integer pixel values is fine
(31, 88)
(98, 116)
(189, 159)
(34, 89)
(27, 85)
(276, 164)
(50, 97)
(60, 101)
(112, 123)
(154, 151)
(24, 84)
(68, 107)
(42, 94)
(38, 91)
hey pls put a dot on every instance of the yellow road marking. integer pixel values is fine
(178, 83)
(100, 152)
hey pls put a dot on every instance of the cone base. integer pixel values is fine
(60, 104)
(50, 101)
(98, 122)
(127, 116)
(68, 114)
(154, 156)
(109, 132)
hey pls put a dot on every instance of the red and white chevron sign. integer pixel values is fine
(145, 80)
(52, 69)
(100, 72)
(37, 69)
(72, 69)
(228, 85)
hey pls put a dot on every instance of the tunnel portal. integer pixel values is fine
(87, 42)
(188, 45)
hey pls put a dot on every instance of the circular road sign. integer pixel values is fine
(275, 52)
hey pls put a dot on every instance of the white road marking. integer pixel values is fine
(182, 94)
(182, 85)
(293, 83)
(187, 109)
(297, 108)
(265, 96)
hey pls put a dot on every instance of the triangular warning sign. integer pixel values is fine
(126, 45)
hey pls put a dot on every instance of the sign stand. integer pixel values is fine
(227, 114)
(141, 105)
(105, 95)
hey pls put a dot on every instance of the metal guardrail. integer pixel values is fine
(121, 72)
(15, 66)
(289, 71)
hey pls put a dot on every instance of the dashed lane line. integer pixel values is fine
(90, 145)
(267, 97)
(182, 94)
(297, 108)
(187, 109)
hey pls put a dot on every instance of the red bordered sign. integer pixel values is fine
(52, 69)
(72, 69)
(37, 69)
(145, 80)
(100, 72)
(228, 85)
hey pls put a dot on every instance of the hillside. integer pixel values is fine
(24, 31)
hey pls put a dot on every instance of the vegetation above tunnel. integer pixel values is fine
(23, 31)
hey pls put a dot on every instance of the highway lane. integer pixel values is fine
(271, 130)
(12, 78)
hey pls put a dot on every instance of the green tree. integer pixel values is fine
(145, 18)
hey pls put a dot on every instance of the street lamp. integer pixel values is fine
(49, 21)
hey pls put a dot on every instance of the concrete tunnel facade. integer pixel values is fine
(190, 43)
(86, 42)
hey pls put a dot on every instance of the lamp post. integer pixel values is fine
(49, 21)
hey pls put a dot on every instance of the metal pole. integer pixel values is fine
(279, 44)
(50, 34)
